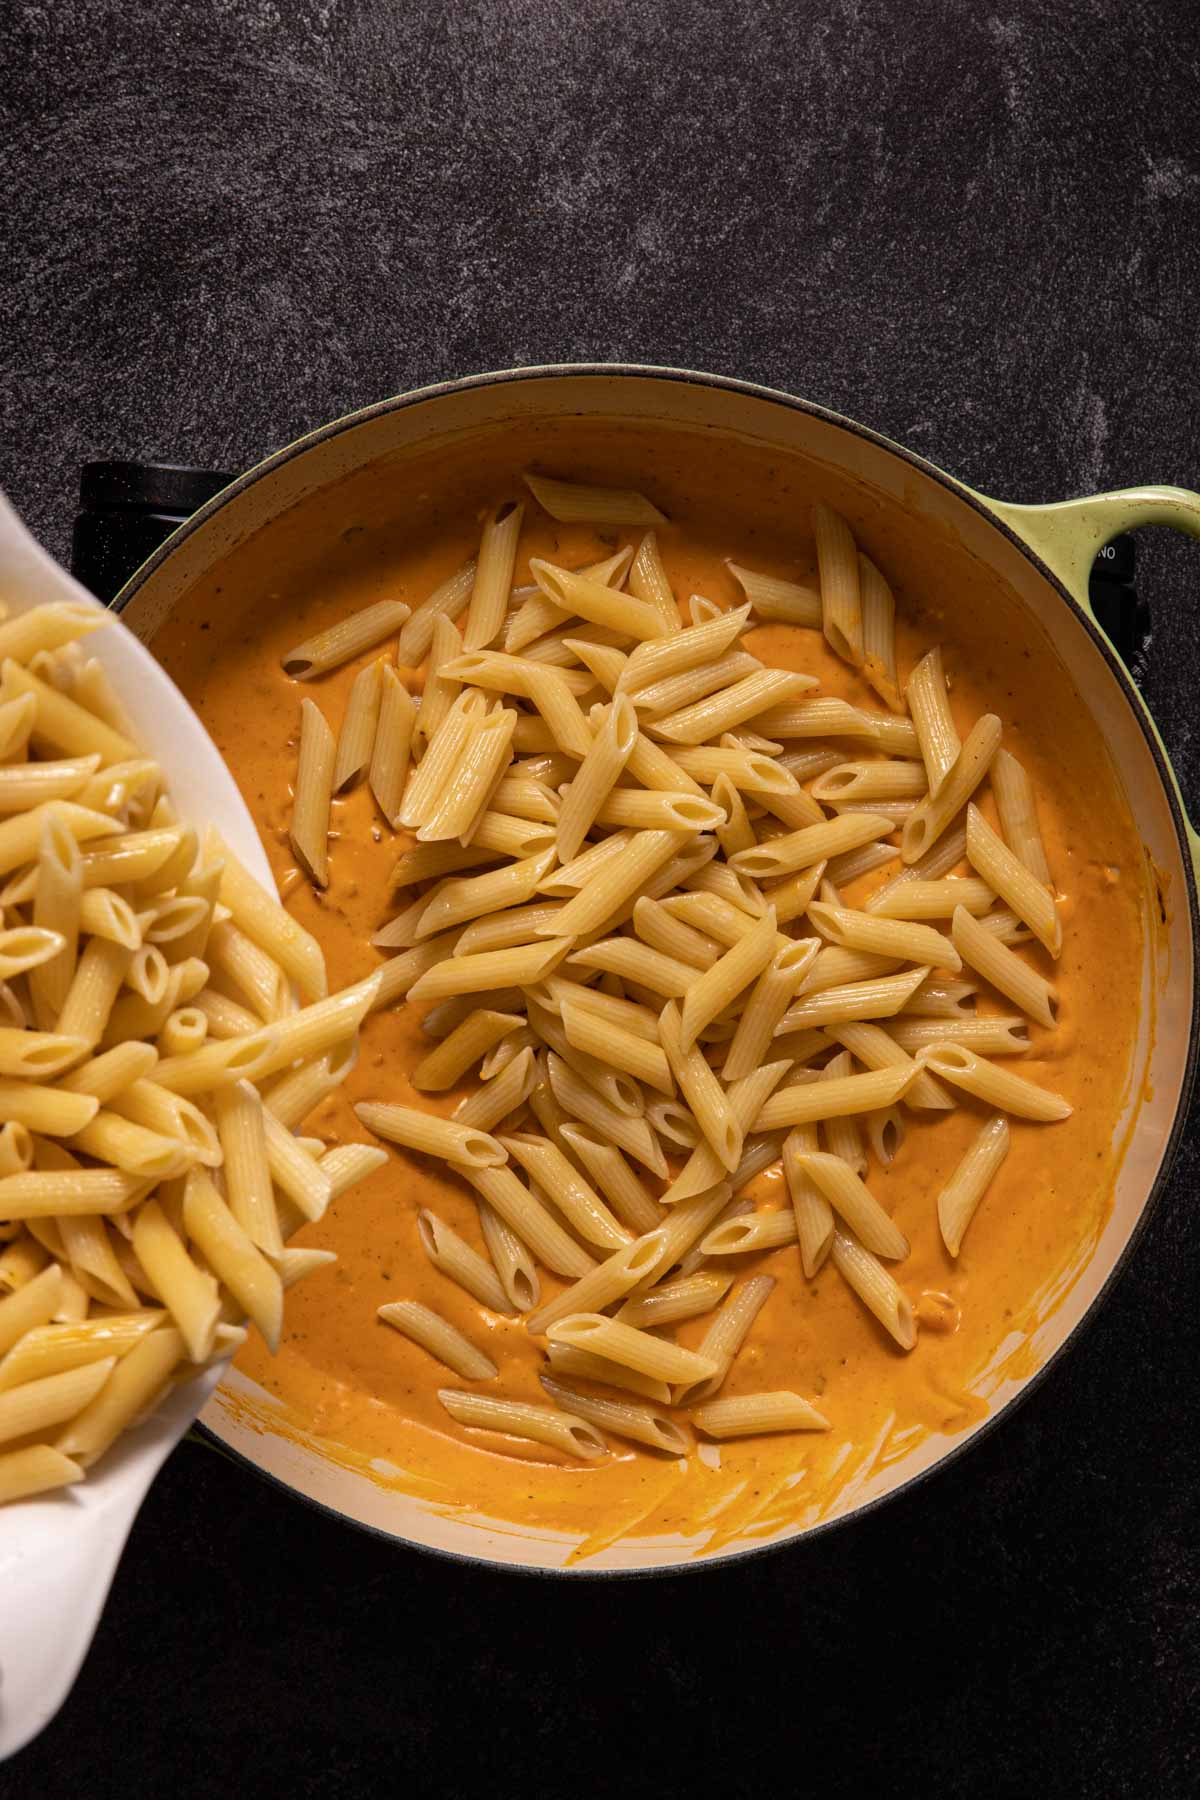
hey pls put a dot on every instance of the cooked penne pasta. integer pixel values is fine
(867, 781)
(542, 1424)
(853, 1201)
(773, 598)
(579, 594)
(750, 1415)
(1018, 814)
(442, 1340)
(933, 899)
(447, 601)
(471, 1040)
(935, 813)
(357, 736)
(878, 1290)
(463, 1145)
(876, 1048)
(348, 638)
(501, 1095)
(609, 1281)
(510, 1258)
(973, 1175)
(996, 864)
(812, 843)
(232, 1255)
(719, 986)
(1004, 969)
(455, 1258)
(753, 1232)
(806, 1104)
(51, 1400)
(701, 1089)
(532, 1222)
(609, 1043)
(879, 634)
(493, 575)
(648, 581)
(899, 938)
(190, 1295)
(929, 707)
(622, 1418)
(1000, 1088)
(685, 1297)
(546, 1164)
(811, 1210)
(878, 998)
(519, 966)
(247, 1172)
(634, 1349)
(309, 831)
(575, 503)
(392, 744)
(725, 1337)
(620, 1186)
(585, 1366)
(466, 898)
(124, 1397)
(841, 601)
(37, 1469)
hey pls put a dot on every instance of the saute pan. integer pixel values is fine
(1037, 558)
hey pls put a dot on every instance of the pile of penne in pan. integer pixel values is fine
(164, 1026)
(628, 844)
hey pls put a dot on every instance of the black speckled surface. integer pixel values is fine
(974, 227)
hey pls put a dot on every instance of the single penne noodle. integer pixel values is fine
(875, 1048)
(589, 599)
(392, 745)
(1006, 927)
(514, 1418)
(610, 1280)
(841, 599)
(805, 1104)
(657, 811)
(594, 1035)
(493, 575)
(935, 813)
(876, 1287)
(634, 1349)
(1004, 969)
(751, 1232)
(616, 883)
(447, 600)
(747, 698)
(264, 920)
(737, 833)
(471, 1040)
(582, 1364)
(52, 1400)
(971, 1179)
(441, 1339)
(581, 1101)
(520, 966)
(698, 646)
(701, 1089)
(662, 931)
(16, 1148)
(576, 503)
(501, 1094)
(123, 1144)
(878, 998)
(445, 747)
(132, 1386)
(879, 633)
(648, 581)
(739, 891)
(218, 1063)
(745, 1098)
(507, 1050)
(57, 909)
(20, 1261)
(16, 723)
(620, 1186)
(39, 1469)
(504, 674)
(933, 899)
(455, 1258)
(52, 1111)
(347, 1164)
(573, 876)
(988, 1035)
(30, 1306)
(1000, 1088)
(38, 1055)
(104, 1076)
(642, 1021)
(853, 1201)
(673, 1121)
(461, 1144)
(442, 1019)
(772, 597)
(820, 717)
(791, 897)
(811, 1210)
(60, 724)
(247, 1170)
(842, 870)
(812, 843)
(571, 1194)
(525, 798)
(309, 830)
(171, 1116)
(348, 638)
(717, 987)
(510, 1258)
(21, 835)
(622, 1418)
(190, 1295)
(886, 1132)
(867, 781)
(684, 1297)
(183, 1031)
(1017, 807)
(24, 785)
(691, 685)
(466, 898)
(637, 962)
(147, 974)
(774, 988)
(497, 833)
(938, 998)
(749, 1415)
(502, 930)
(49, 626)
(357, 735)
(552, 696)
(725, 1337)
(929, 707)
(661, 770)
(233, 1256)
(899, 938)
(996, 864)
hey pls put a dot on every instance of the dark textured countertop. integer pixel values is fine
(974, 227)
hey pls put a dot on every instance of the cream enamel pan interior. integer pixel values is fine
(1037, 556)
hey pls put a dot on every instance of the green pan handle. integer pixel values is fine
(1068, 535)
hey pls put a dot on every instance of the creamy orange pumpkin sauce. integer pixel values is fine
(397, 529)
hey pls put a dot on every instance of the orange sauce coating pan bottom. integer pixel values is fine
(395, 531)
